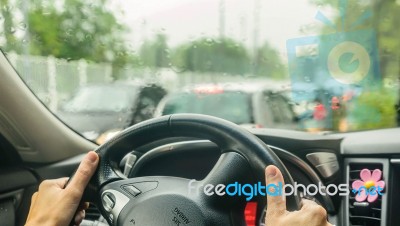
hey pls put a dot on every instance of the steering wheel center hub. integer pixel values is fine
(153, 201)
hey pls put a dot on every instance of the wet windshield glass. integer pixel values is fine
(313, 65)
(100, 99)
(231, 106)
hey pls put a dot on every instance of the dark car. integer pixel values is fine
(109, 108)
(251, 105)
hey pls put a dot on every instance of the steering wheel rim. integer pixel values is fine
(239, 149)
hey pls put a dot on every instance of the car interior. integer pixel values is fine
(147, 169)
(36, 146)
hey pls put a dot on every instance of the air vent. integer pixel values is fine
(92, 213)
(363, 213)
(367, 212)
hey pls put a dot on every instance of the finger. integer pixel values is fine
(79, 216)
(85, 171)
(60, 182)
(315, 210)
(33, 200)
(83, 206)
(275, 200)
(309, 204)
(306, 203)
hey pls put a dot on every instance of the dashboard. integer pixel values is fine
(193, 159)
(310, 158)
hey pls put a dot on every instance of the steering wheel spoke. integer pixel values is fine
(231, 167)
(222, 186)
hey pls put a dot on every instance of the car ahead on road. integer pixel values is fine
(251, 105)
(99, 111)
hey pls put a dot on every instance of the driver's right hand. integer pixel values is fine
(310, 214)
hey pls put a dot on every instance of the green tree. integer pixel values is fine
(373, 110)
(77, 30)
(8, 32)
(384, 20)
(268, 63)
(155, 53)
(44, 31)
(209, 55)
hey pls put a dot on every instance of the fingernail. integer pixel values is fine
(271, 171)
(92, 156)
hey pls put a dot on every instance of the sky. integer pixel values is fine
(185, 20)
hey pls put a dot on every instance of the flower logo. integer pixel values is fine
(367, 183)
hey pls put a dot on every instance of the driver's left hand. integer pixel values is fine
(53, 205)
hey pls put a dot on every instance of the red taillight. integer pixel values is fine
(250, 213)
(335, 103)
(209, 90)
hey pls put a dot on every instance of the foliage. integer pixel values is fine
(384, 20)
(8, 32)
(373, 110)
(210, 55)
(79, 29)
(155, 53)
(268, 63)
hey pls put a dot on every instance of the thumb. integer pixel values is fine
(84, 172)
(276, 201)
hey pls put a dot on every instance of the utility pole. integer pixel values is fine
(26, 42)
(221, 19)
(242, 32)
(25, 26)
(144, 30)
(256, 32)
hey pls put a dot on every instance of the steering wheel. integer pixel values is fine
(162, 200)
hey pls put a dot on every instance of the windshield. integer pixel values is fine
(314, 65)
(232, 106)
(101, 99)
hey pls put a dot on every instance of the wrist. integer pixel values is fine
(38, 222)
